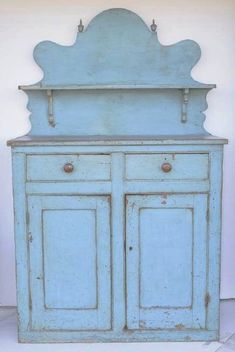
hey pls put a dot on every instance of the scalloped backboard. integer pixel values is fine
(117, 79)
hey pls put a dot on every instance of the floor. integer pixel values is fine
(8, 338)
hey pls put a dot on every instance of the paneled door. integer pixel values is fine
(69, 250)
(166, 267)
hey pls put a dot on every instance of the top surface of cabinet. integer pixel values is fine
(117, 79)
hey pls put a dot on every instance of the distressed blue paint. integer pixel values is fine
(60, 256)
(111, 51)
(143, 167)
(173, 298)
(119, 188)
(51, 167)
(118, 112)
(79, 264)
(113, 81)
(118, 249)
(173, 252)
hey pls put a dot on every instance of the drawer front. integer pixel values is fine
(68, 167)
(167, 166)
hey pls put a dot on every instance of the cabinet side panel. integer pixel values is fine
(21, 240)
(214, 226)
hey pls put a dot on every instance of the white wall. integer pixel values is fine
(25, 23)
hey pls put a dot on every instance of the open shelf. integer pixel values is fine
(120, 86)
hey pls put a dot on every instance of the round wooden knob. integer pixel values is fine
(68, 167)
(166, 167)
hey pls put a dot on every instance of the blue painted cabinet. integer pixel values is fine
(117, 192)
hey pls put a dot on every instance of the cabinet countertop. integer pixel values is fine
(115, 140)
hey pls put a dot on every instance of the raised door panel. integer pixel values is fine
(70, 281)
(166, 261)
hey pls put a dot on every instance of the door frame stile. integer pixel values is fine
(118, 243)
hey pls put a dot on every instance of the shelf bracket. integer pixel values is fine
(184, 115)
(51, 118)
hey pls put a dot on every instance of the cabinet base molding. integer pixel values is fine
(156, 336)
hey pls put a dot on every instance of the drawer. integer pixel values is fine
(167, 166)
(68, 167)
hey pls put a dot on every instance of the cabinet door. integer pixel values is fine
(69, 246)
(166, 261)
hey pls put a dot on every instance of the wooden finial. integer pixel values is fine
(80, 26)
(153, 26)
